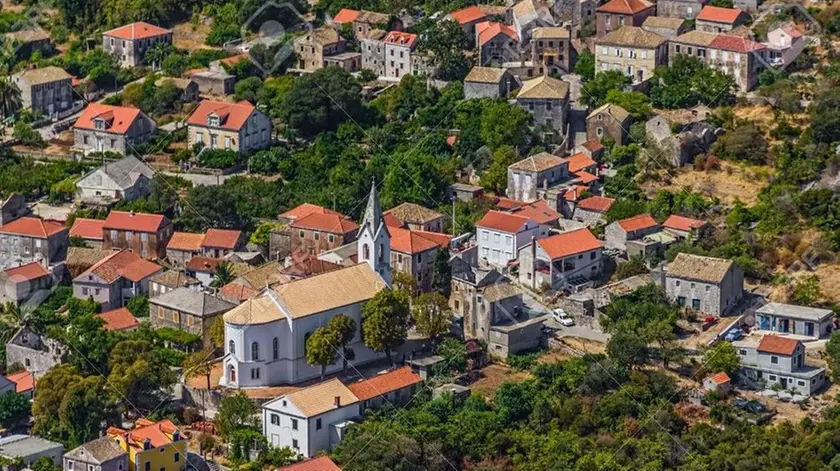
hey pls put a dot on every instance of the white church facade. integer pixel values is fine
(265, 336)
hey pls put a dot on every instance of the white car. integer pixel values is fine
(563, 318)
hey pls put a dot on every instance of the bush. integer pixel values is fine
(28, 136)
(525, 360)
(218, 158)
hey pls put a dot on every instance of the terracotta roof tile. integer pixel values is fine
(569, 243)
(204, 264)
(306, 209)
(468, 15)
(580, 162)
(575, 192)
(158, 433)
(484, 75)
(682, 223)
(736, 44)
(504, 222)
(593, 145)
(138, 30)
(507, 204)
(118, 119)
(125, 264)
(221, 238)
(237, 291)
(137, 222)
(320, 398)
(625, 7)
(232, 116)
(384, 383)
(185, 241)
(174, 279)
(721, 378)
(544, 88)
(392, 221)
(87, 228)
(118, 319)
(331, 223)
(585, 177)
(489, 30)
(28, 272)
(778, 345)
(322, 463)
(309, 266)
(637, 223)
(539, 212)
(32, 227)
(719, 14)
(410, 242)
(398, 37)
(632, 36)
(346, 15)
(600, 204)
(24, 381)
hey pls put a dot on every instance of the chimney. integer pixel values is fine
(131, 213)
(338, 401)
(147, 444)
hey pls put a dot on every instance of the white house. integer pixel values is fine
(561, 261)
(126, 179)
(784, 44)
(778, 361)
(265, 336)
(306, 420)
(500, 236)
(797, 320)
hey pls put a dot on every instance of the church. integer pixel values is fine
(265, 336)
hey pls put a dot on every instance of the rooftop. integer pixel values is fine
(617, 112)
(400, 38)
(232, 116)
(632, 36)
(580, 162)
(125, 264)
(331, 223)
(117, 119)
(625, 7)
(637, 223)
(138, 30)
(118, 319)
(412, 213)
(499, 291)
(32, 227)
(539, 162)
(158, 433)
(237, 291)
(663, 22)
(87, 228)
(485, 75)
(321, 463)
(192, 302)
(550, 32)
(174, 279)
(221, 238)
(24, 381)
(44, 75)
(539, 211)
(27, 272)
(695, 38)
(544, 87)
(384, 383)
(135, 222)
(719, 14)
(25, 446)
(488, 30)
(697, 267)
(736, 44)
(502, 221)
(682, 223)
(412, 242)
(306, 209)
(100, 450)
(796, 312)
(599, 204)
(346, 15)
(569, 243)
(468, 15)
(720, 378)
(778, 345)
(185, 241)
(320, 398)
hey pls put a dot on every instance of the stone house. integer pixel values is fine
(414, 217)
(497, 44)
(468, 283)
(362, 21)
(31, 239)
(18, 284)
(126, 179)
(414, 253)
(551, 48)
(169, 280)
(530, 175)
(567, 260)
(12, 208)
(487, 82)
(46, 90)
(618, 233)
(373, 51)
(779, 361)
(679, 9)
(312, 47)
(213, 81)
(30, 40)
(719, 383)
(681, 148)
(88, 231)
(106, 128)
(398, 50)
(610, 121)
(686, 228)
(665, 26)
(101, 454)
(631, 50)
(498, 318)
(712, 286)
(396, 387)
(617, 13)
(547, 100)
(182, 247)
(189, 87)
(320, 232)
(188, 310)
(592, 211)
(347, 61)
(115, 279)
(528, 15)
(738, 57)
(500, 235)
(36, 353)
(145, 234)
(231, 126)
(719, 20)
(131, 42)
(804, 321)
(468, 18)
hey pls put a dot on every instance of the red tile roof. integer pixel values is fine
(600, 204)
(138, 30)
(467, 15)
(585, 177)
(24, 381)
(539, 212)
(136, 222)
(118, 319)
(310, 265)
(489, 30)
(238, 291)
(32, 227)
(507, 204)
(624, 7)
(158, 433)
(204, 264)
(439, 238)
(777, 345)
(118, 119)
(346, 15)
(720, 378)
(593, 145)
(682, 223)
(185, 241)
(504, 222)
(397, 37)
(637, 223)
(305, 210)
(87, 228)
(30, 271)
(385, 383)
(332, 223)
(719, 14)
(323, 463)
(125, 264)
(221, 238)
(574, 192)
(232, 116)
(412, 242)
(233, 60)
(569, 243)
(792, 30)
(735, 44)
(580, 162)
(392, 221)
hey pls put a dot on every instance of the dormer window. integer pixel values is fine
(213, 120)
(99, 123)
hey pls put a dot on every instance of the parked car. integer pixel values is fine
(563, 318)
(734, 334)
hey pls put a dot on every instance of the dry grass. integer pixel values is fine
(492, 378)
(729, 184)
(185, 36)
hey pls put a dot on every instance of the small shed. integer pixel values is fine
(460, 392)
(424, 366)
(719, 383)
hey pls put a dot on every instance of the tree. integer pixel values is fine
(636, 103)
(806, 291)
(494, 178)
(206, 444)
(139, 306)
(628, 348)
(10, 100)
(217, 333)
(14, 409)
(236, 412)
(262, 234)
(198, 364)
(722, 356)
(503, 123)
(321, 349)
(585, 66)
(442, 273)
(385, 321)
(594, 92)
(745, 143)
(139, 374)
(445, 42)
(321, 101)
(209, 206)
(343, 328)
(248, 89)
(223, 275)
(431, 314)
(687, 82)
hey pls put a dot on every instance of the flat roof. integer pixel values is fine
(15, 446)
(794, 311)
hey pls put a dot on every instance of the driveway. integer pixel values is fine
(578, 331)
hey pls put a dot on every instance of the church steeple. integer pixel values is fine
(374, 242)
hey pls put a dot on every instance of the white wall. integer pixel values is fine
(310, 439)
(498, 247)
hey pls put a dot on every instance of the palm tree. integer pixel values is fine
(157, 54)
(222, 276)
(10, 101)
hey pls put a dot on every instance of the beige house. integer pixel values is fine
(313, 47)
(231, 126)
(105, 128)
(738, 57)
(551, 49)
(631, 50)
(547, 99)
(46, 90)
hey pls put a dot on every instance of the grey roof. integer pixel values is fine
(127, 171)
(698, 267)
(796, 312)
(97, 451)
(192, 302)
(500, 291)
(24, 446)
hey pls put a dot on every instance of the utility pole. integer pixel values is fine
(454, 229)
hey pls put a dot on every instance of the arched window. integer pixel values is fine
(255, 351)
(275, 349)
(365, 252)
(232, 348)
(232, 374)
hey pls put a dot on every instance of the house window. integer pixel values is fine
(232, 348)
(774, 359)
(681, 301)
(318, 424)
(275, 349)
(801, 383)
(772, 377)
(255, 373)
(294, 424)
(275, 419)
(676, 282)
(742, 352)
(85, 291)
(695, 304)
(177, 457)
(295, 444)
(148, 466)
(255, 351)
